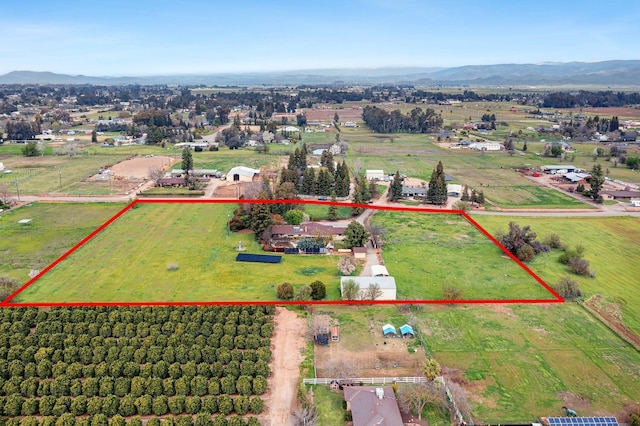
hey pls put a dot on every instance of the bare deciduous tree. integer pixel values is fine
(358, 165)
(341, 369)
(305, 416)
(5, 195)
(415, 397)
(459, 396)
(155, 174)
(252, 190)
(373, 292)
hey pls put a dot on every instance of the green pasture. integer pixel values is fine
(521, 359)
(225, 159)
(130, 261)
(611, 247)
(320, 212)
(494, 173)
(427, 251)
(54, 229)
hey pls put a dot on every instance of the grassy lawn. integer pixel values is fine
(521, 360)
(425, 252)
(329, 405)
(320, 212)
(611, 246)
(55, 228)
(129, 262)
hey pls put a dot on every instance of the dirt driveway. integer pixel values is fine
(286, 345)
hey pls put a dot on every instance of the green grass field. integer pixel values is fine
(129, 262)
(425, 252)
(490, 172)
(611, 246)
(54, 229)
(521, 360)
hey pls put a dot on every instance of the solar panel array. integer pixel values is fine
(582, 421)
(262, 258)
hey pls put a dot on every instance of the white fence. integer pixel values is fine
(367, 380)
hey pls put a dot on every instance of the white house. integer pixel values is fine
(374, 174)
(387, 286)
(242, 174)
(454, 190)
(485, 146)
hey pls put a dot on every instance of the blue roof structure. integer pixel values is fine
(260, 258)
(407, 329)
(582, 421)
(388, 329)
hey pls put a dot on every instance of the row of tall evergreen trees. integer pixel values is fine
(311, 181)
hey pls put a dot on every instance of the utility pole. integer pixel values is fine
(59, 178)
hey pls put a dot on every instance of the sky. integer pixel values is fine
(160, 37)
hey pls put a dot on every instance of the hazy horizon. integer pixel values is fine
(145, 38)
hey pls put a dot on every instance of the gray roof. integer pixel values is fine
(576, 177)
(560, 167)
(385, 283)
(368, 409)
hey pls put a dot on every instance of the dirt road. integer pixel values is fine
(287, 343)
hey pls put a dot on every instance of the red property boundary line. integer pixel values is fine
(557, 298)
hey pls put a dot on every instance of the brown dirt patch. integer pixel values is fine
(372, 355)
(138, 167)
(287, 344)
(326, 113)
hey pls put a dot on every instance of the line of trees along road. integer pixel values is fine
(106, 366)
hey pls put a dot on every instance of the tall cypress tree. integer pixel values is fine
(187, 163)
(333, 208)
(395, 188)
(260, 217)
(437, 191)
(308, 182)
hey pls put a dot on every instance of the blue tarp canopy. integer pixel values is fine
(388, 329)
(407, 329)
(261, 258)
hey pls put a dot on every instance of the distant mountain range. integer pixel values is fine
(623, 72)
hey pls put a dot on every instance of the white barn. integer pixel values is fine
(387, 286)
(242, 174)
(374, 174)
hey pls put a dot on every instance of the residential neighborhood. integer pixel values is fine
(319, 214)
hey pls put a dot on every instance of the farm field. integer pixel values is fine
(54, 229)
(188, 256)
(611, 245)
(521, 362)
(426, 252)
(130, 262)
(61, 174)
(492, 173)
